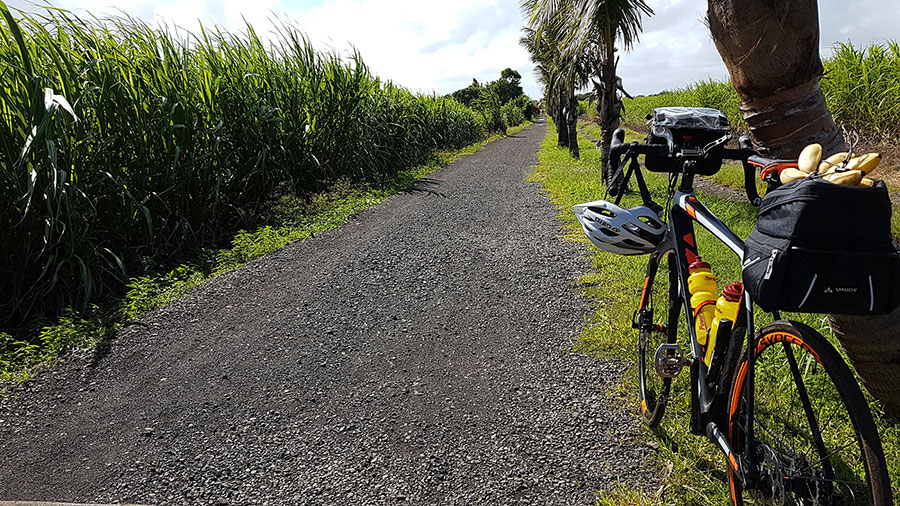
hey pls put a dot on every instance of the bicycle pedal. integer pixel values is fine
(669, 361)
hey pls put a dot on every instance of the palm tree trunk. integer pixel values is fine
(607, 107)
(772, 55)
(784, 123)
(605, 140)
(873, 346)
(771, 50)
(561, 129)
(572, 124)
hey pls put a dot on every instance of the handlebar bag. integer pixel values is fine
(690, 127)
(820, 247)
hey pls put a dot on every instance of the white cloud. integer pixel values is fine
(423, 45)
(674, 49)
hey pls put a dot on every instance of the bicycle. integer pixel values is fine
(780, 403)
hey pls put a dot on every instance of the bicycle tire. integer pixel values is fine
(655, 328)
(826, 400)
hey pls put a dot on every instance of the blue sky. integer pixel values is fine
(440, 46)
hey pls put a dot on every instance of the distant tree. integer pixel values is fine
(488, 104)
(508, 86)
(527, 106)
(562, 71)
(495, 97)
(469, 94)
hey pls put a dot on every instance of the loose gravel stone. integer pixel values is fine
(417, 355)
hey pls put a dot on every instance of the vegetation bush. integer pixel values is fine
(583, 107)
(588, 109)
(513, 115)
(862, 87)
(526, 105)
(489, 106)
(126, 146)
(719, 95)
(496, 100)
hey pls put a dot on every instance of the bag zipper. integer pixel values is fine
(771, 264)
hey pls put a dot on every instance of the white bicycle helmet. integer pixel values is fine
(623, 231)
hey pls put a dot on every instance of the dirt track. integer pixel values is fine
(417, 355)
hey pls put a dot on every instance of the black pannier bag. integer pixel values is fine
(691, 127)
(820, 247)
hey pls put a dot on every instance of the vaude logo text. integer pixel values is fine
(840, 290)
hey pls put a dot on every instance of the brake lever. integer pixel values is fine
(721, 141)
(750, 184)
(749, 172)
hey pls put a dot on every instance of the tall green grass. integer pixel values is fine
(715, 94)
(861, 87)
(126, 146)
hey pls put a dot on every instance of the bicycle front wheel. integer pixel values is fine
(813, 437)
(657, 320)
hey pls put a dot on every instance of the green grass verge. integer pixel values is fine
(293, 219)
(692, 469)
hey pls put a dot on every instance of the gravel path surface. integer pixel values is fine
(415, 356)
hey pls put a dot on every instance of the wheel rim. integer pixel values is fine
(809, 450)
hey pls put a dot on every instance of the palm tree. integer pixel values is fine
(545, 55)
(592, 28)
(563, 72)
(771, 50)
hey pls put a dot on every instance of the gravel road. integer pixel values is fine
(417, 355)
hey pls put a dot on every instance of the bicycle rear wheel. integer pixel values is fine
(657, 320)
(813, 436)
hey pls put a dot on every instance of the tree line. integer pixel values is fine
(501, 103)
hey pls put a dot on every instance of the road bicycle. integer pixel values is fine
(779, 402)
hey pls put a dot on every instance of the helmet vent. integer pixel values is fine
(602, 211)
(649, 221)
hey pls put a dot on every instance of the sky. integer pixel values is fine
(439, 47)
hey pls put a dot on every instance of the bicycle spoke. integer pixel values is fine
(835, 452)
(807, 407)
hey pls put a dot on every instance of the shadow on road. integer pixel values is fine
(425, 185)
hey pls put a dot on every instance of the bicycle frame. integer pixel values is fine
(680, 239)
(686, 209)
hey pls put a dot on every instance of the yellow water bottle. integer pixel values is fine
(726, 307)
(702, 287)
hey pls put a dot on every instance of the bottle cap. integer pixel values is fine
(733, 291)
(698, 264)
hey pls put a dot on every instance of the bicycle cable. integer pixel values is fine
(670, 194)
